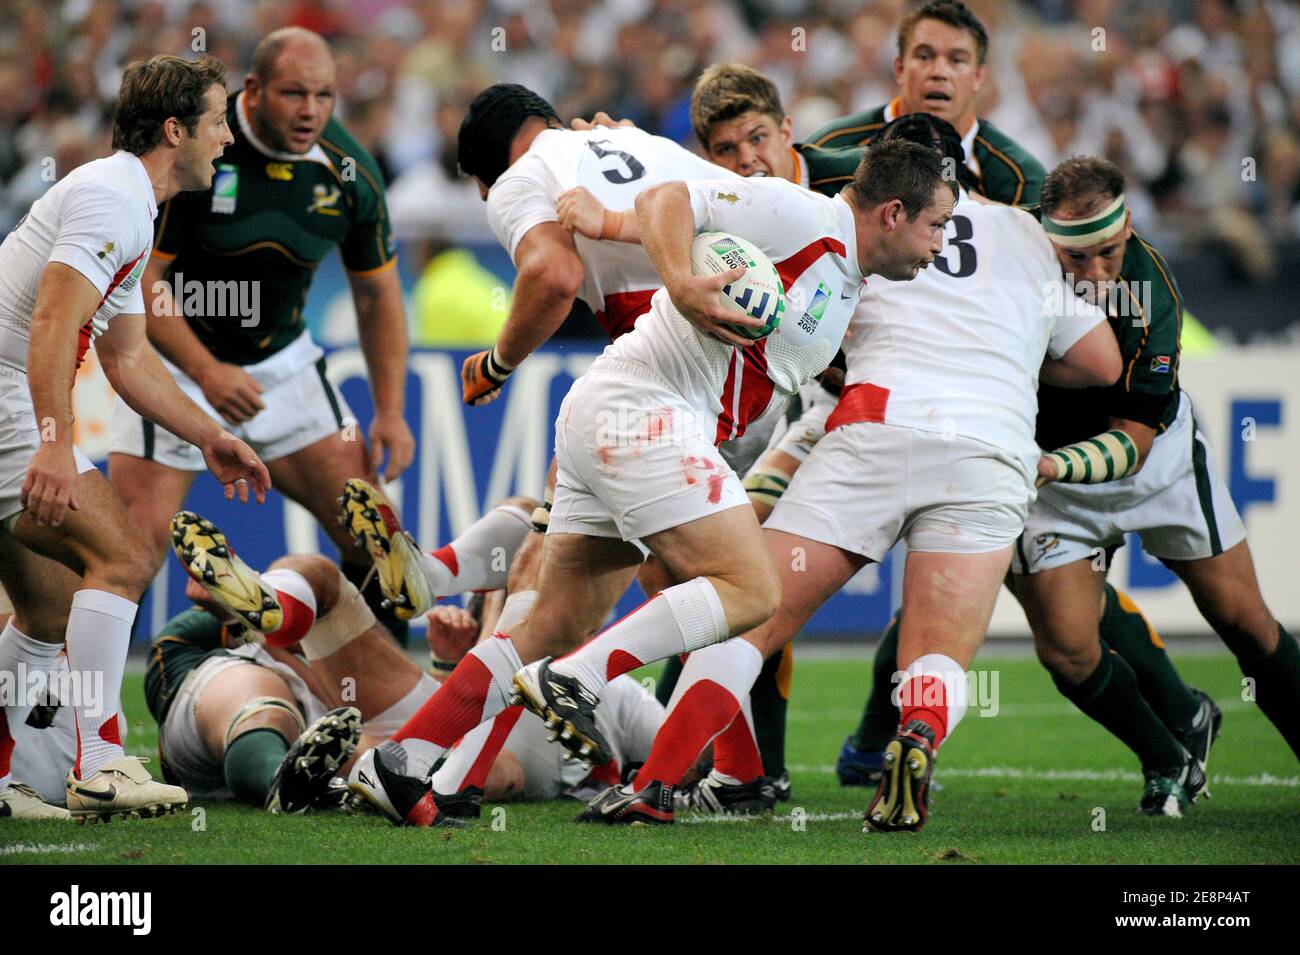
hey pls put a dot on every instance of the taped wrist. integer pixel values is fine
(1106, 457)
(765, 484)
(542, 512)
(612, 224)
(494, 369)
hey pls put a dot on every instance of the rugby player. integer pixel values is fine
(294, 186)
(72, 560)
(1169, 493)
(932, 441)
(636, 445)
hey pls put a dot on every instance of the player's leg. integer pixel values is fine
(1227, 593)
(1064, 607)
(151, 492)
(948, 599)
(101, 543)
(859, 760)
(708, 701)
(39, 592)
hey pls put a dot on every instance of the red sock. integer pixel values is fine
(6, 744)
(704, 710)
(298, 619)
(925, 698)
(455, 709)
(501, 726)
(735, 751)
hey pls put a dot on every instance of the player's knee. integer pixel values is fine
(321, 574)
(525, 504)
(1246, 627)
(1072, 661)
(523, 569)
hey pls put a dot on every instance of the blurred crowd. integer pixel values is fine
(1198, 100)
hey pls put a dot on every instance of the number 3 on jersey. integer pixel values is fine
(963, 232)
(617, 176)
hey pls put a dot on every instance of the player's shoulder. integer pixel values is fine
(852, 130)
(830, 169)
(1009, 172)
(998, 144)
(1144, 263)
(351, 161)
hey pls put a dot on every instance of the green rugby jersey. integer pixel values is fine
(1006, 172)
(829, 170)
(270, 218)
(185, 641)
(1147, 391)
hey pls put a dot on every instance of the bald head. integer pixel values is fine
(289, 95)
(294, 44)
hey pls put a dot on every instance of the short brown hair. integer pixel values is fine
(952, 12)
(1090, 181)
(727, 90)
(899, 169)
(155, 90)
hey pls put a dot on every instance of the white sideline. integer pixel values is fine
(1087, 775)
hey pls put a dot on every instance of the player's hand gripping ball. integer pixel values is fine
(758, 293)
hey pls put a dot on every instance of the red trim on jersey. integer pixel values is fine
(86, 335)
(796, 265)
(755, 386)
(621, 311)
(860, 402)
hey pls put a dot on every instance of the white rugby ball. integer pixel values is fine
(757, 293)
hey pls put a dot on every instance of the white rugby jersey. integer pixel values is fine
(957, 350)
(812, 242)
(614, 165)
(99, 220)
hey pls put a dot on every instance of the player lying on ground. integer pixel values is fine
(931, 442)
(71, 559)
(293, 186)
(675, 493)
(1173, 498)
(227, 709)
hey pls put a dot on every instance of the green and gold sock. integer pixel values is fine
(251, 761)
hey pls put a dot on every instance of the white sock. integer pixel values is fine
(394, 718)
(99, 632)
(20, 656)
(683, 618)
(479, 559)
(919, 695)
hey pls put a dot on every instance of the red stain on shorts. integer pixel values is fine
(692, 464)
(715, 488)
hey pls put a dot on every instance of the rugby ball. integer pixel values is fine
(757, 293)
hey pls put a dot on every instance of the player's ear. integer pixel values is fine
(898, 69)
(787, 131)
(173, 131)
(482, 189)
(981, 74)
(891, 212)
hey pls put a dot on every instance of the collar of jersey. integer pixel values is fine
(315, 154)
(145, 180)
(849, 229)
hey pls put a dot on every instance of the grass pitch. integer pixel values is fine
(1033, 784)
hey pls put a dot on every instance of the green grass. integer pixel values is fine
(1020, 787)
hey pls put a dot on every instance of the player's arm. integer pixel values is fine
(668, 223)
(381, 328)
(582, 213)
(137, 374)
(1093, 361)
(550, 274)
(232, 391)
(65, 301)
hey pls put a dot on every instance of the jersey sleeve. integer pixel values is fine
(772, 214)
(369, 244)
(95, 238)
(519, 202)
(1150, 379)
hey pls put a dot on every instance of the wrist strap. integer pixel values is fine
(612, 224)
(494, 369)
(1106, 457)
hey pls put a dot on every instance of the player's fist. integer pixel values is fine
(699, 299)
(1049, 470)
(581, 212)
(601, 118)
(233, 393)
(482, 376)
(452, 631)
